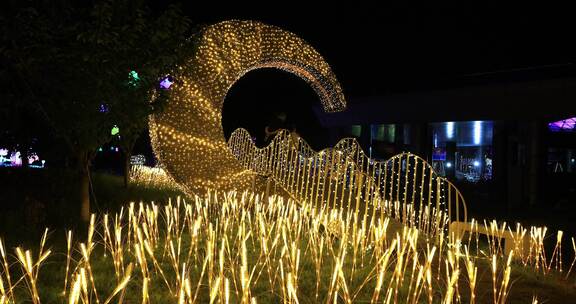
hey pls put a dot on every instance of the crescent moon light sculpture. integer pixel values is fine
(187, 136)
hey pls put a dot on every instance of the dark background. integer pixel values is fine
(379, 51)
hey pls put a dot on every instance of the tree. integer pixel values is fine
(75, 66)
(150, 46)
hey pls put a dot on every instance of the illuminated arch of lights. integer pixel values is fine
(187, 136)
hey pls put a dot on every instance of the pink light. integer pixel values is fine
(32, 158)
(563, 125)
(166, 83)
(15, 159)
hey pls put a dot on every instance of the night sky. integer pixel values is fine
(379, 52)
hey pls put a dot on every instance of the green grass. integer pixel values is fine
(111, 195)
(34, 199)
(54, 269)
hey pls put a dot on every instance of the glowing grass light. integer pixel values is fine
(234, 247)
(68, 256)
(10, 294)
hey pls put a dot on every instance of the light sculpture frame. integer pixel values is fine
(187, 136)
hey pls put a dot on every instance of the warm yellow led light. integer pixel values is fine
(187, 136)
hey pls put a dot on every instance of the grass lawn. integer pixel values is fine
(33, 199)
(243, 229)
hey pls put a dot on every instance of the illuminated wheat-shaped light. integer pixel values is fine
(31, 270)
(10, 293)
(86, 262)
(494, 274)
(2, 290)
(503, 293)
(382, 265)
(75, 289)
(68, 258)
(122, 285)
(472, 272)
(221, 247)
(556, 257)
(448, 297)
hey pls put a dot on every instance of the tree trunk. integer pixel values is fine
(126, 169)
(84, 195)
(127, 146)
(83, 165)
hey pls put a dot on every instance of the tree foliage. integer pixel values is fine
(65, 61)
(69, 64)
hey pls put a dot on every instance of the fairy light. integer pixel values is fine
(239, 242)
(344, 176)
(187, 136)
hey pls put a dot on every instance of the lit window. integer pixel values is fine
(356, 130)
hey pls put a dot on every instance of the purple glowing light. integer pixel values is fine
(103, 108)
(563, 125)
(166, 82)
